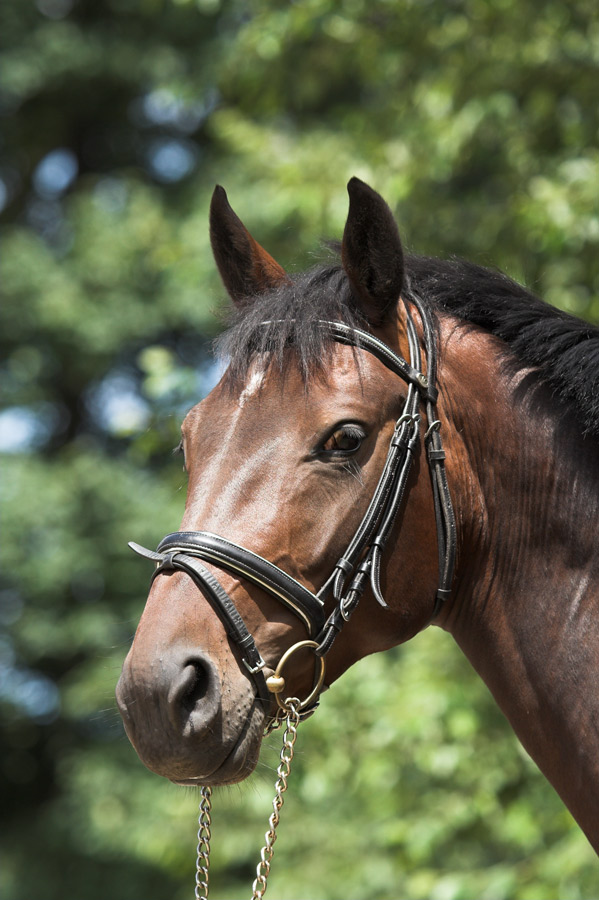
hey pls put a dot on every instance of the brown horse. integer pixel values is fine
(300, 481)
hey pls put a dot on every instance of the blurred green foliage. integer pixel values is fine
(478, 120)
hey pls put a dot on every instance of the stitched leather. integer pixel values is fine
(260, 571)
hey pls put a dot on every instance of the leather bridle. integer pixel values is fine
(361, 561)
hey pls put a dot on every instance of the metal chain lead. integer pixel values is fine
(292, 709)
(203, 848)
(291, 712)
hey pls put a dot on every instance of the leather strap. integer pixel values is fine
(355, 337)
(220, 601)
(228, 555)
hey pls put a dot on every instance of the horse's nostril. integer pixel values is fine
(187, 698)
(194, 687)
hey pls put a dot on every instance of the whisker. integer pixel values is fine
(352, 468)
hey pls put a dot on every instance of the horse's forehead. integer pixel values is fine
(345, 375)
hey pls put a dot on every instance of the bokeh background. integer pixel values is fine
(478, 121)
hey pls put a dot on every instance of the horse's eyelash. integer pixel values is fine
(180, 450)
(354, 431)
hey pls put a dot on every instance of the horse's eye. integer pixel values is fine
(344, 440)
(179, 449)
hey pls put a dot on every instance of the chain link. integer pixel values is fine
(203, 848)
(291, 714)
(292, 708)
(275, 722)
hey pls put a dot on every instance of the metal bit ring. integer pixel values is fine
(276, 682)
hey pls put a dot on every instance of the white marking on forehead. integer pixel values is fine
(253, 385)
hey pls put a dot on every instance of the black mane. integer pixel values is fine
(562, 349)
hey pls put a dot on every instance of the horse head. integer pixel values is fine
(311, 529)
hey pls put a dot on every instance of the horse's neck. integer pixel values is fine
(526, 609)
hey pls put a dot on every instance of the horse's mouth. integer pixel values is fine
(239, 763)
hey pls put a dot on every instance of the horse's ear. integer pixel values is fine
(245, 267)
(371, 252)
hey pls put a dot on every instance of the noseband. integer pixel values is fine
(361, 562)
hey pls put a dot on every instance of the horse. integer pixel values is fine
(397, 442)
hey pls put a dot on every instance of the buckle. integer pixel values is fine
(254, 669)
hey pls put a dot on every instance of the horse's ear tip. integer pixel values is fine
(361, 191)
(219, 195)
(355, 184)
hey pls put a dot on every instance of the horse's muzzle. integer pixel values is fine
(173, 716)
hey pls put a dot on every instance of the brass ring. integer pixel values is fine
(279, 681)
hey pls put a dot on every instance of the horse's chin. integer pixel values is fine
(239, 763)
